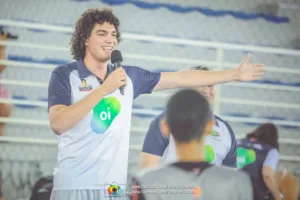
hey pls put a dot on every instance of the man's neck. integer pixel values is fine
(190, 152)
(99, 69)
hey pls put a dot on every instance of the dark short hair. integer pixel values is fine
(266, 133)
(200, 67)
(187, 115)
(85, 25)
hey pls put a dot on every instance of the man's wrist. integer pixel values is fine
(234, 74)
(102, 91)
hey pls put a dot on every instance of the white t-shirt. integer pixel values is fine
(95, 152)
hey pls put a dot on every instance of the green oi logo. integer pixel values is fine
(209, 154)
(104, 114)
(245, 157)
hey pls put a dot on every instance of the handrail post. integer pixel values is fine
(217, 103)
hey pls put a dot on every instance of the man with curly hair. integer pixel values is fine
(92, 120)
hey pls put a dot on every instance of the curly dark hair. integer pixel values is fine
(84, 26)
(266, 133)
(200, 67)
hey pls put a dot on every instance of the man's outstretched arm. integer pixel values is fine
(196, 78)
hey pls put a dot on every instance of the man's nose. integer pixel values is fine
(110, 39)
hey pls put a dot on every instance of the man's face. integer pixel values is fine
(102, 41)
(208, 92)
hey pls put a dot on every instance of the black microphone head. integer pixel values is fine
(116, 56)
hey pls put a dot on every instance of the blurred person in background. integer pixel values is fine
(188, 119)
(92, 121)
(258, 155)
(5, 109)
(220, 145)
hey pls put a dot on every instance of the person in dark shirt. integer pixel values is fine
(258, 155)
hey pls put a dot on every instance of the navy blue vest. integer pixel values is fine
(250, 158)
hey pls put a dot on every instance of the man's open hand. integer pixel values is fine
(249, 72)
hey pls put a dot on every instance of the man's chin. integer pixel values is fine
(104, 58)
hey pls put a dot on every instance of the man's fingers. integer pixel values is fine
(122, 75)
(124, 82)
(258, 67)
(119, 72)
(246, 60)
(259, 74)
(259, 71)
(119, 69)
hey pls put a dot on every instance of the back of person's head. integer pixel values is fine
(187, 115)
(266, 133)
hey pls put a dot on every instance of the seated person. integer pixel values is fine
(188, 118)
(257, 155)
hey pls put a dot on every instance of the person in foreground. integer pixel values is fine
(189, 120)
(258, 156)
(220, 145)
(91, 117)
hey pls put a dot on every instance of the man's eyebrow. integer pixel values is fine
(104, 31)
(100, 30)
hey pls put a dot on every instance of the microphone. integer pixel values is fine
(116, 59)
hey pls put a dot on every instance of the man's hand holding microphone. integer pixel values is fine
(116, 79)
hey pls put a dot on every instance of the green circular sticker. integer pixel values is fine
(245, 157)
(209, 154)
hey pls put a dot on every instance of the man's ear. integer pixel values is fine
(86, 42)
(164, 128)
(209, 127)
